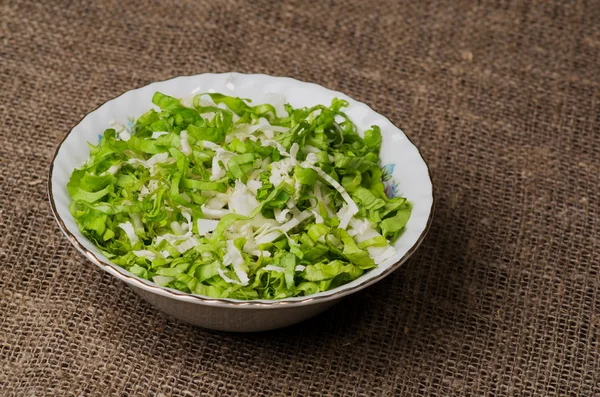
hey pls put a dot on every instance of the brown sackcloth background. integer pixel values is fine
(503, 99)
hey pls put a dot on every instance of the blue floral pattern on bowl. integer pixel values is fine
(130, 123)
(390, 186)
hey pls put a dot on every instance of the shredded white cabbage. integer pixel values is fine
(217, 201)
(177, 229)
(227, 279)
(210, 145)
(130, 231)
(157, 134)
(182, 238)
(222, 156)
(120, 129)
(162, 280)
(234, 257)
(281, 216)
(242, 201)
(270, 235)
(254, 185)
(185, 145)
(353, 208)
(274, 268)
(213, 213)
(269, 142)
(318, 217)
(280, 171)
(344, 215)
(151, 162)
(361, 230)
(145, 254)
(206, 226)
(113, 169)
(310, 149)
(186, 245)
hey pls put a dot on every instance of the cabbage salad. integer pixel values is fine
(213, 196)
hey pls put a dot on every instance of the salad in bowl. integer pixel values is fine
(219, 198)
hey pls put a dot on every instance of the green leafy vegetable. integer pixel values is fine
(218, 197)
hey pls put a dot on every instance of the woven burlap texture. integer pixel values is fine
(503, 297)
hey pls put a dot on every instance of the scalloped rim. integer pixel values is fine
(149, 286)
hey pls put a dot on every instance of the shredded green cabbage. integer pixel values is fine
(229, 200)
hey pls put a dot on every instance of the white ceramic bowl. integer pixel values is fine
(405, 172)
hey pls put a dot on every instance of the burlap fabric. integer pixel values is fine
(503, 298)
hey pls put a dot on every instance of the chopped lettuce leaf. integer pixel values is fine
(219, 197)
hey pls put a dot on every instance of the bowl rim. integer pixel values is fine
(150, 286)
